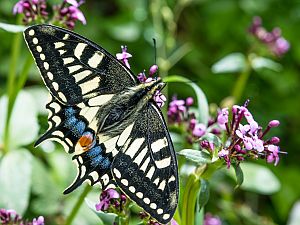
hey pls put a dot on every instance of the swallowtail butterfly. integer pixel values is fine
(106, 118)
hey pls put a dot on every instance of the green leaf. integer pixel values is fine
(199, 157)
(106, 218)
(13, 28)
(23, 125)
(259, 63)
(232, 63)
(259, 179)
(203, 194)
(201, 98)
(239, 175)
(15, 180)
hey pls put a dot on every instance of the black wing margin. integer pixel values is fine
(73, 68)
(146, 167)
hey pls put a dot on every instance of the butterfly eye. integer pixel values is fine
(87, 141)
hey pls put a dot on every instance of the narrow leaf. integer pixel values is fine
(259, 63)
(239, 175)
(203, 194)
(201, 98)
(13, 28)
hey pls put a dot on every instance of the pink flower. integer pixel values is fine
(159, 98)
(124, 56)
(105, 199)
(199, 130)
(273, 154)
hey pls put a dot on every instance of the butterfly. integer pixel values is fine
(106, 118)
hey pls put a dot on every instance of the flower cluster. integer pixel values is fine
(275, 42)
(246, 140)
(179, 114)
(65, 14)
(111, 201)
(68, 13)
(32, 10)
(10, 217)
(158, 97)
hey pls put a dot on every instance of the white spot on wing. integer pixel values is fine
(163, 163)
(50, 75)
(141, 156)
(172, 178)
(96, 59)
(79, 49)
(166, 216)
(66, 37)
(101, 100)
(156, 181)
(145, 164)
(110, 144)
(61, 51)
(134, 147)
(55, 106)
(125, 135)
(90, 85)
(131, 189)
(68, 60)
(160, 211)
(58, 133)
(31, 32)
(55, 86)
(125, 182)
(147, 201)
(81, 75)
(83, 170)
(35, 41)
(117, 173)
(105, 179)
(62, 96)
(153, 206)
(42, 56)
(39, 48)
(162, 185)
(72, 69)
(159, 144)
(139, 194)
(150, 172)
(56, 120)
(94, 175)
(46, 65)
(58, 44)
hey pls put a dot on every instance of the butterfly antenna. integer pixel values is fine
(155, 55)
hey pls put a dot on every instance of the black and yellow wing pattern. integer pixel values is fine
(107, 119)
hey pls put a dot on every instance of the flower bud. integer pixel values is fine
(274, 123)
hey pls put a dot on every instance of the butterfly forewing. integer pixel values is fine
(146, 169)
(73, 68)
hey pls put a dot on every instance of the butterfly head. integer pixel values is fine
(153, 86)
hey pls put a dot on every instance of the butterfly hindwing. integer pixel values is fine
(73, 68)
(145, 167)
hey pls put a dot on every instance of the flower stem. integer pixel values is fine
(78, 204)
(15, 52)
(240, 84)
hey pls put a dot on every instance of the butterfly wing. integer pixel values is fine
(73, 68)
(146, 168)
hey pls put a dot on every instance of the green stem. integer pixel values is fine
(15, 52)
(188, 205)
(192, 201)
(240, 84)
(78, 204)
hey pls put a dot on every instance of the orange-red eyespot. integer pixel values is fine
(86, 141)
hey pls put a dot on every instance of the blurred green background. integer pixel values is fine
(204, 32)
